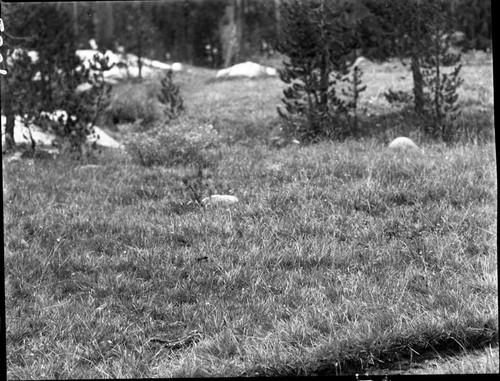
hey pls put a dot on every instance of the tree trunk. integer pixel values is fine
(10, 122)
(75, 19)
(181, 51)
(417, 51)
(189, 35)
(109, 26)
(277, 17)
(141, 19)
(418, 83)
(104, 24)
(139, 52)
(239, 20)
(230, 30)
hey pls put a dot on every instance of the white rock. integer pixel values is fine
(358, 61)
(160, 65)
(246, 69)
(103, 139)
(120, 60)
(176, 66)
(83, 87)
(87, 54)
(403, 143)
(93, 43)
(146, 71)
(115, 72)
(219, 199)
(271, 71)
(22, 133)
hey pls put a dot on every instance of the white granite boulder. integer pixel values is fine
(403, 143)
(247, 69)
(23, 134)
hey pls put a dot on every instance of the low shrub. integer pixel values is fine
(183, 143)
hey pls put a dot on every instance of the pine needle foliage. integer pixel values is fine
(170, 97)
(86, 106)
(319, 38)
(422, 32)
(441, 102)
(353, 93)
(48, 83)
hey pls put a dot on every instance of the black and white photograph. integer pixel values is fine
(248, 188)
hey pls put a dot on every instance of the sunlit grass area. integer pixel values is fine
(339, 258)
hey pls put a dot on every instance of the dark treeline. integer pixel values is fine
(201, 32)
(217, 33)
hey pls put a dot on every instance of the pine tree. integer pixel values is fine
(170, 97)
(441, 87)
(41, 86)
(420, 31)
(353, 92)
(319, 38)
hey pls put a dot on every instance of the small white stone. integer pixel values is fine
(271, 71)
(219, 199)
(402, 143)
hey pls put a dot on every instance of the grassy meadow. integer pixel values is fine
(340, 257)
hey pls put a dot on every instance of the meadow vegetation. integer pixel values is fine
(340, 258)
